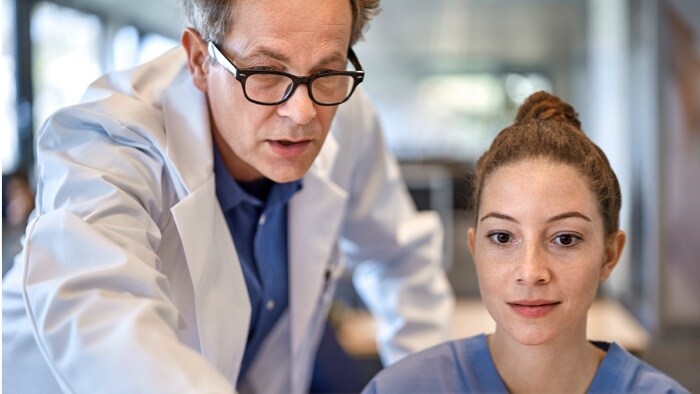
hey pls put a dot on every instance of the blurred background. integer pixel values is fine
(446, 76)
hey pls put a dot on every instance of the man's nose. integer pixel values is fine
(299, 106)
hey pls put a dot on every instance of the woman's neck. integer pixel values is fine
(562, 365)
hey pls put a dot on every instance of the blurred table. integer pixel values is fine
(607, 321)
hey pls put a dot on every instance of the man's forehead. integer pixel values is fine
(310, 20)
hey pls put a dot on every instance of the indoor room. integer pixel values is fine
(444, 77)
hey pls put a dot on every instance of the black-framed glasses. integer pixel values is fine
(275, 87)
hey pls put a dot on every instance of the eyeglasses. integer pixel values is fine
(275, 87)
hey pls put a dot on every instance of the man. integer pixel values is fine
(193, 215)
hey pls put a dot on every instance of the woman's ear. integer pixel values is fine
(613, 252)
(471, 236)
(197, 57)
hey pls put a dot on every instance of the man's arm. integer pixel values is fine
(100, 308)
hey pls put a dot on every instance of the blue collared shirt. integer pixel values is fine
(256, 214)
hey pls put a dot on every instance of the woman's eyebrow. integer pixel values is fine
(497, 215)
(567, 215)
(561, 216)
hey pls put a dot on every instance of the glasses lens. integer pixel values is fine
(267, 88)
(273, 88)
(331, 89)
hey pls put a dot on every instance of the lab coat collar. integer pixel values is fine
(188, 133)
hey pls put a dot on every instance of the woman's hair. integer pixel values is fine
(212, 18)
(548, 128)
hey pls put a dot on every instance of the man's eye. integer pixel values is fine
(566, 239)
(499, 237)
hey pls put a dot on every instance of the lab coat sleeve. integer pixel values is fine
(100, 310)
(397, 250)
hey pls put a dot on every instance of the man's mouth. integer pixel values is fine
(288, 148)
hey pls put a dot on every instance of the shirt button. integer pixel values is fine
(262, 219)
(270, 305)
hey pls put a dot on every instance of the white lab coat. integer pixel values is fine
(130, 279)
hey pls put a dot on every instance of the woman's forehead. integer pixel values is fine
(539, 184)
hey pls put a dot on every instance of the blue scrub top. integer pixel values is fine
(466, 366)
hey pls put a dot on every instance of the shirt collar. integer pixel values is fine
(231, 194)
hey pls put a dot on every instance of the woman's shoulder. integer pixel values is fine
(624, 372)
(446, 352)
(436, 369)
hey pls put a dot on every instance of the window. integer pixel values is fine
(66, 56)
(8, 118)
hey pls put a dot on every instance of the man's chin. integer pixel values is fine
(286, 173)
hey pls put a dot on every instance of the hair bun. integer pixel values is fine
(544, 106)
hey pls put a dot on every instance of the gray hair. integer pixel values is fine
(212, 18)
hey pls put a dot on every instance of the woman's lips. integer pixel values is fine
(533, 308)
(288, 149)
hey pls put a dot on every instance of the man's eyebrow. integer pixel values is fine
(567, 215)
(280, 57)
(497, 215)
(267, 52)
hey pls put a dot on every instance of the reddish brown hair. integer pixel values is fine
(547, 127)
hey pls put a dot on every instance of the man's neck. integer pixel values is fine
(259, 188)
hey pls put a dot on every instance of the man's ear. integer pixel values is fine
(613, 251)
(197, 57)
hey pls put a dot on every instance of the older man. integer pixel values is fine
(194, 214)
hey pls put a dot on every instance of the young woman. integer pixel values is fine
(546, 234)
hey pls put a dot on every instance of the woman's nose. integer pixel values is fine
(534, 269)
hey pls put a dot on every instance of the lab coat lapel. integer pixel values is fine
(315, 218)
(221, 298)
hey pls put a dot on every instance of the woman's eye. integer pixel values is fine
(566, 240)
(499, 237)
